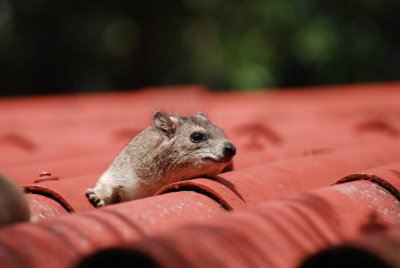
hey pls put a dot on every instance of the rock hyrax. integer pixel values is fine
(13, 205)
(174, 148)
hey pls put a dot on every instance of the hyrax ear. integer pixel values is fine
(202, 116)
(163, 123)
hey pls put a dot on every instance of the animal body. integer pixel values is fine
(13, 205)
(174, 148)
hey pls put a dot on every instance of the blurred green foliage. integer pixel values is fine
(72, 46)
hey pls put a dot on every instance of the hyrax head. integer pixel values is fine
(193, 144)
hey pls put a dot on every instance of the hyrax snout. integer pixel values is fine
(174, 148)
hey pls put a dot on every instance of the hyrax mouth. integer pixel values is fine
(217, 160)
(228, 153)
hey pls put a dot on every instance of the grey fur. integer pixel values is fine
(162, 154)
(13, 205)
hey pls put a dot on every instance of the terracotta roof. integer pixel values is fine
(312, 166)
(277, 233)
(376, 248)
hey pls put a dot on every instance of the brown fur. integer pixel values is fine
(161, 154)
(13, 205)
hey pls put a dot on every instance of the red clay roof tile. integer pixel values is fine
(372, 249)
(61, 241)
(288, 142)
(278, 233)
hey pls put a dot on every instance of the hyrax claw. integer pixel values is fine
(94, 199)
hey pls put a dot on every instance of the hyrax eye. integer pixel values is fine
(197, 137)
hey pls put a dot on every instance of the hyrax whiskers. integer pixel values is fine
(174, 148)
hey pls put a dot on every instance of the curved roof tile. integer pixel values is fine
(289, 144)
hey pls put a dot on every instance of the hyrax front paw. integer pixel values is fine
(94, 198)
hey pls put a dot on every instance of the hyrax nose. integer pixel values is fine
(229, 149)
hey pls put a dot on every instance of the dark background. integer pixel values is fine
(78, 46)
